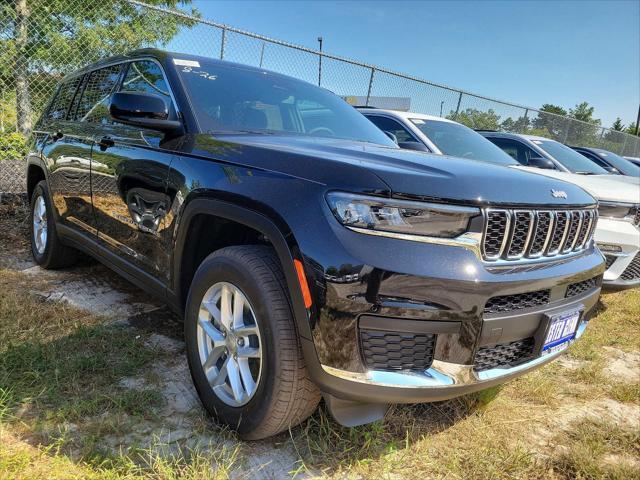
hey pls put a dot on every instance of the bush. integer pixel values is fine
(12, 146)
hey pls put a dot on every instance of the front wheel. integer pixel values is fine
(242, 346)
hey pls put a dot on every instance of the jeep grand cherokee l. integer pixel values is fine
(307, 253)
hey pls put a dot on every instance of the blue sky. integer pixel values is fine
(526, 52)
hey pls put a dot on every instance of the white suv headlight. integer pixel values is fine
(620, 211)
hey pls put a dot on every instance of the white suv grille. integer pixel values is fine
(514, 234)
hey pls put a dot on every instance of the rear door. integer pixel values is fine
(129, 177)
(66, 149)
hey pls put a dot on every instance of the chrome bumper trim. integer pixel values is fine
(444, 374)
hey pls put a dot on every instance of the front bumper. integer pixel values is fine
(444, 292)
(620, 243)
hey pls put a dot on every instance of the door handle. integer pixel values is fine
(106, 142)
(57, 136)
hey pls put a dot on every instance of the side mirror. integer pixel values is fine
(420, 147)
(541, 162)
(392, 136)
(144, 110)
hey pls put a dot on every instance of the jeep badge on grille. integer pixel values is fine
(558, 193)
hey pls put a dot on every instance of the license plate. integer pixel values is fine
(562, 329)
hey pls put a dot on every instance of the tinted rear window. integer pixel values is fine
(62, 102)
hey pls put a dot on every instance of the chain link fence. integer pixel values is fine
(40, 44)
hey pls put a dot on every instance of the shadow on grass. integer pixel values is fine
(324, 445)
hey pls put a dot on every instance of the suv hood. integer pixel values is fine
(371, 167)
(611, 188)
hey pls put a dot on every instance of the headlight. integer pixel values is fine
(619, 211)
(400, 216)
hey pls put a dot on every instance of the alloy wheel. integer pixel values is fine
(40, 224)
(229, 344)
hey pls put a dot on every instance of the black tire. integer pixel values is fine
(285, 395)
(55, 255)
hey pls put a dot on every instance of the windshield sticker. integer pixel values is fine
(186, 63)
(602, 154)
(418, 121)
(200, 73)
(537, 142)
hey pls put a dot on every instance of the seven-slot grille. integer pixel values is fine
(515, 234)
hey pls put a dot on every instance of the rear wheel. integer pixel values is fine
(243, 349)
(46, 248)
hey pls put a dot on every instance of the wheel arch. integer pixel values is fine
(35, 174)
(283, 244)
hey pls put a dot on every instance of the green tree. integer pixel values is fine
(584, 113)
(477, 119)
(550, 122)
(631, 129)
(519, 125)
(585, 133)
(40, 40)
(618, 126)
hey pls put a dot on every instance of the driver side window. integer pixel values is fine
(388, 125)
(516, 150)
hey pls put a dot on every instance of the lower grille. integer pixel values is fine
(610, 259)
(508, 303)
(395, 351)
(504, 355)
(581, 287)
(632, 272)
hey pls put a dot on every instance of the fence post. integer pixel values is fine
(458, 106)
(224, 36)
(261, 54)
(373, 71)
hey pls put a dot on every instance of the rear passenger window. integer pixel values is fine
(146, 76)
(93, 106)
(60, 106)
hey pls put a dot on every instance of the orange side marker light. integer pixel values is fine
(302, 280)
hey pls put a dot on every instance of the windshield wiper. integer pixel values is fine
(585, 173)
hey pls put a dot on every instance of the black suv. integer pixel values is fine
(307, 253)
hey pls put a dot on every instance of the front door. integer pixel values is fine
(129, 182)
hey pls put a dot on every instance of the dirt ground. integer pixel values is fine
(419, 434)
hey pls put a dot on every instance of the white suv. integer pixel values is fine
(618, 228)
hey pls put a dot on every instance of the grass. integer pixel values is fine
(62, 400)
(61, 397)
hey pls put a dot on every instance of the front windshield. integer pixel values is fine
(460, 141)
(234, 99)
(569, 158)
(623, 165)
